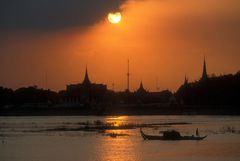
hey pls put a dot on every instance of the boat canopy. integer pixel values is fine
(172, 134)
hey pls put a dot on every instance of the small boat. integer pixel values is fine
(170, 135)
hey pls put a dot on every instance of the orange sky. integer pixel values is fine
(163, 39)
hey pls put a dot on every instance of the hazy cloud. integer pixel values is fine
(53, 14)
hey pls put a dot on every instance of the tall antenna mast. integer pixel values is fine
(128, 75)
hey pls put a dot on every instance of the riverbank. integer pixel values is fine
(122, 110)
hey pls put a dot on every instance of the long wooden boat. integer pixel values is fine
(152, 137)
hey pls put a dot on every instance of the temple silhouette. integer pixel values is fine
(204, 77)
(215, 91)
(84, 92)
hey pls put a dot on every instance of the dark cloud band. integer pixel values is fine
(53, 14)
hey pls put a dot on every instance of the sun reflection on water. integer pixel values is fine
(118, 149)
(121, 147)
(116, 121)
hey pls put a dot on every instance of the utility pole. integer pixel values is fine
(113, 85)
(128, 75)
(157, 87)
(46, 81)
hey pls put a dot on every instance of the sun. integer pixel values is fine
(114, 17)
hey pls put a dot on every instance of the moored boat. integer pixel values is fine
(170, 135)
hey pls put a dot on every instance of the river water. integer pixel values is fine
(26, 139)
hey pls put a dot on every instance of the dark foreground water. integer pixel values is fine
(26, 139)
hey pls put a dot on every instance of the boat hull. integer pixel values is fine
(152, 137)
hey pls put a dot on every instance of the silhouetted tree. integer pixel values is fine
(6, 96)
(221, 90)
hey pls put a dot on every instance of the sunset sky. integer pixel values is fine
(164, 39)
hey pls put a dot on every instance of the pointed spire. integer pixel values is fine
(204, 74)
(86, 80)
(141, 88)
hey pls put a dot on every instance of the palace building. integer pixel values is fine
(85, 92)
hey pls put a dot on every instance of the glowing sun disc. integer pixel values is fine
(114, 17)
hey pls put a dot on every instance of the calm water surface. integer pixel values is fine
(24, 139)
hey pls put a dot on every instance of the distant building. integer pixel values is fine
(141, 94)
(85, 92)
(144, 96)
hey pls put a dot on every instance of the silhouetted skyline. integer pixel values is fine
(167, 41)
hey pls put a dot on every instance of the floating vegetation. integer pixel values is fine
(99, 126)
(229, 129)
(114, 134)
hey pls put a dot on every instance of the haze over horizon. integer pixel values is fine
(162, 39)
